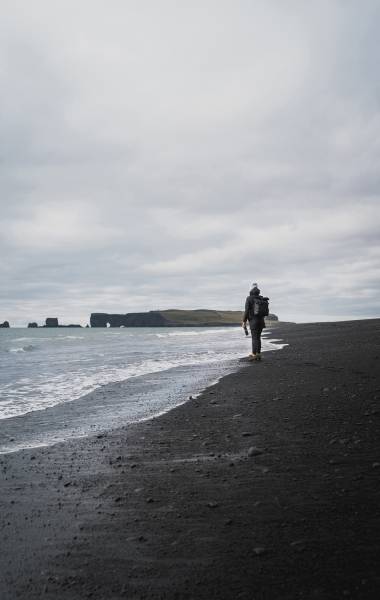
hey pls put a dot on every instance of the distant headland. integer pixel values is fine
(171, 318)
(158, 318)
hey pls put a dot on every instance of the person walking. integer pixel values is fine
(256, 308)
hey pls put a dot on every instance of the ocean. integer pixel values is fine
(57, 384)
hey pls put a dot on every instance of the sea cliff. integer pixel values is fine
(171, 318)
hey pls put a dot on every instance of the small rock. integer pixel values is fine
(246, 434)
(299, 545)
(212, 504)
(259, 550)
(149, 500)
(375, 465)
(254, 451)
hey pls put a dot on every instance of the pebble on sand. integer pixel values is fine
(254, 451)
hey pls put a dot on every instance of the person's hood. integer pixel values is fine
(255, 292)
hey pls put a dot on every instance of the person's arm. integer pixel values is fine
(246, 310)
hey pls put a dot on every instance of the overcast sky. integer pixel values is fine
(159, 154)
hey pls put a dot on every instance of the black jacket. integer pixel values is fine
(254, 322)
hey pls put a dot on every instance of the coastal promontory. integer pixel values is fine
(171, 318)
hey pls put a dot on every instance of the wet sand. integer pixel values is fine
(264, 487)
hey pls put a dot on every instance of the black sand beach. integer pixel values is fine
(264, 487)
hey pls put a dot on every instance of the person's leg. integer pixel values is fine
(259, 332)
(255, 340)
(259, 341)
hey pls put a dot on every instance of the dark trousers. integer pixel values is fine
(256, 329)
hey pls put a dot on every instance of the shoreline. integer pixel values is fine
(91, 414)
(266, 485)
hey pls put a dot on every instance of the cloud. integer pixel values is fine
(161, 155)
(64, 225)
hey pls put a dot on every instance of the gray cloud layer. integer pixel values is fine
(165, 154)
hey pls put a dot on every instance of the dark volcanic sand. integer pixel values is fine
(177, 508)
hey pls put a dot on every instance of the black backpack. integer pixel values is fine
(259, 307)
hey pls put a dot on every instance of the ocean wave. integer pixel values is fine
(111, 332)
(35, 339)
(28, 348)
(193, 332)
(61, 389)
(69, 383)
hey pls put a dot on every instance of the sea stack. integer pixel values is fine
(5, 324)
(51, 322)
(271, 317)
